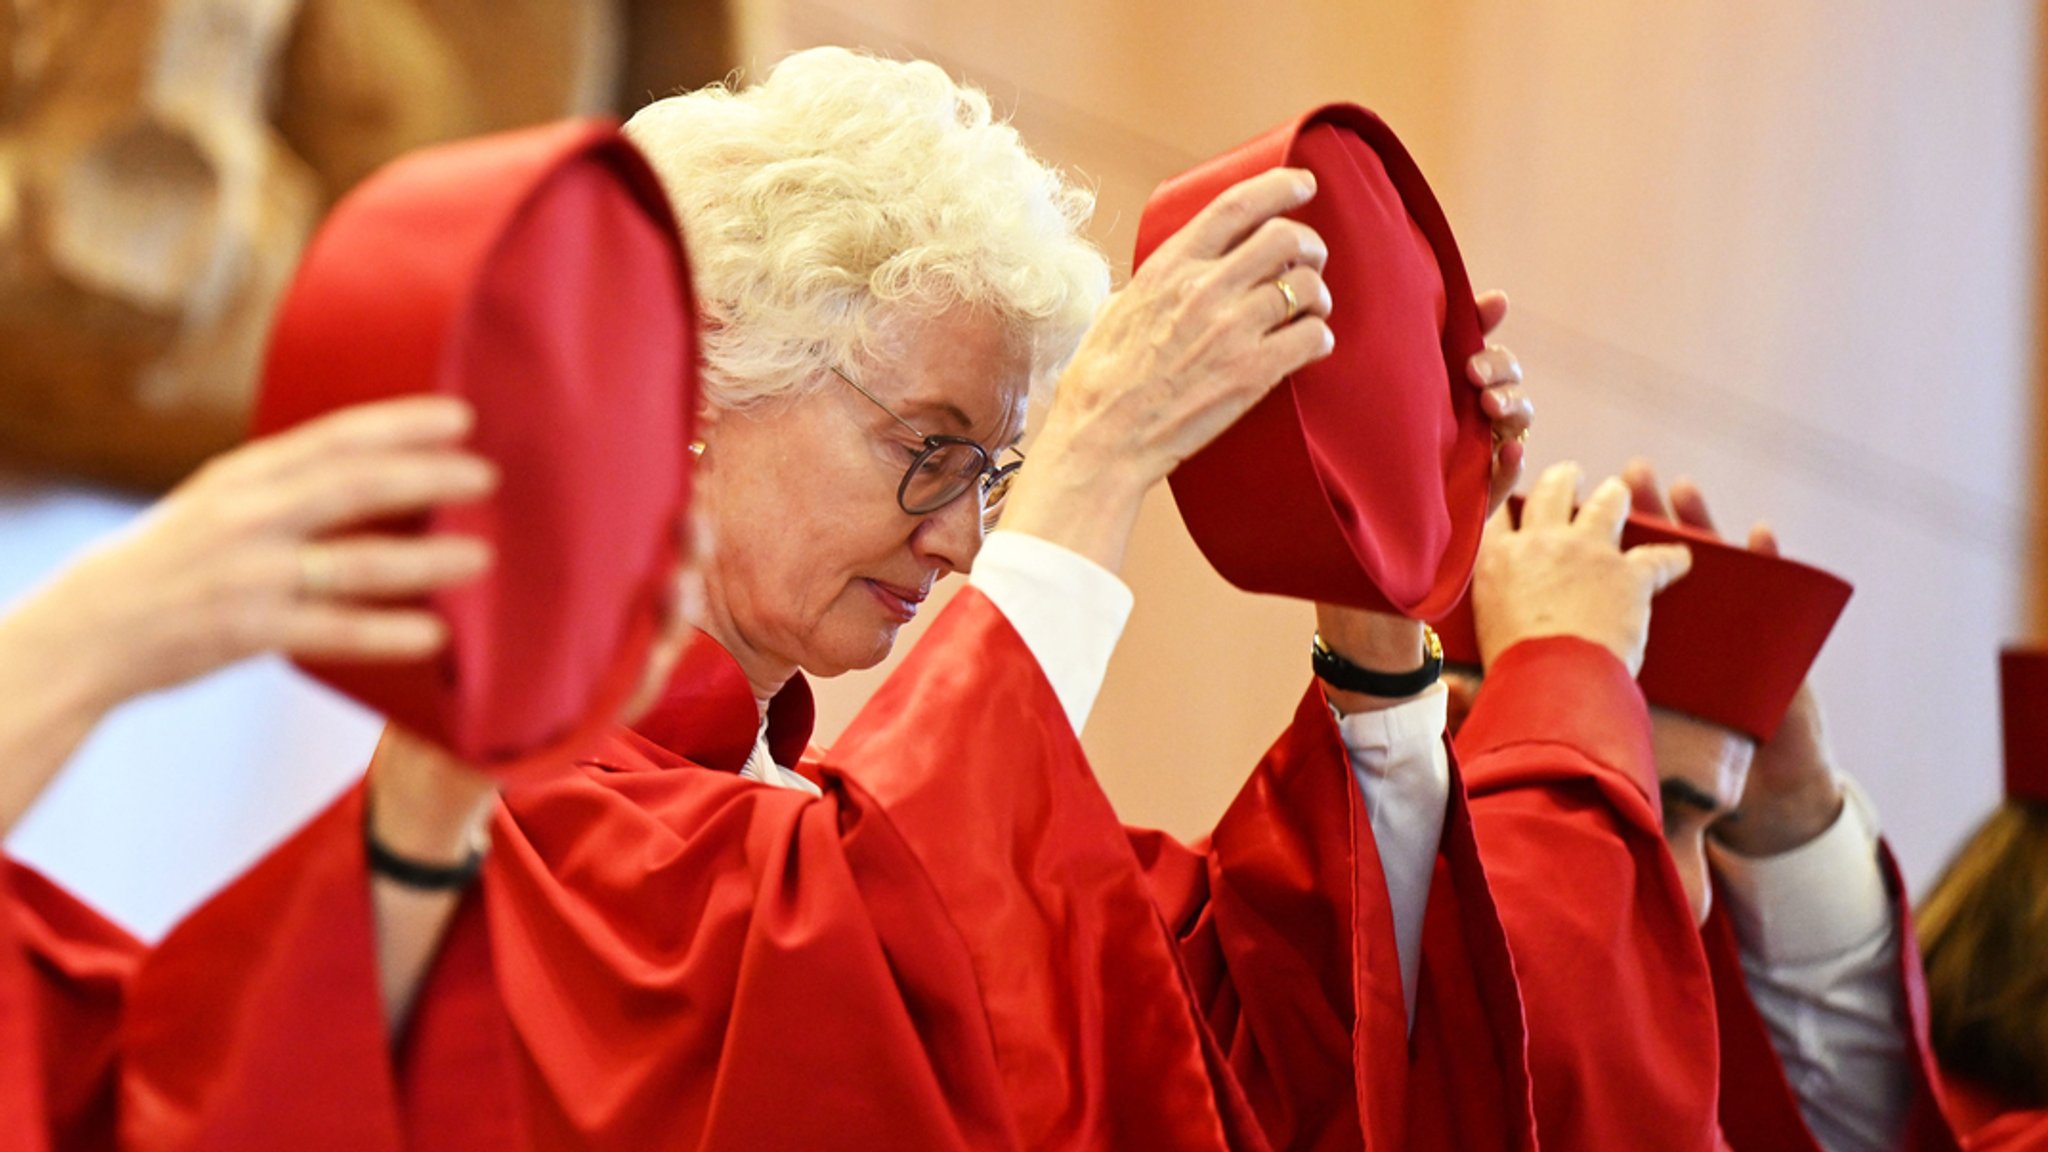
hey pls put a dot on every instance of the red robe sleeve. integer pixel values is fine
(1623, 1048)
(1288, 937)
(257, 1021)
(953, 948)
(64, 971)
(1759, 1108)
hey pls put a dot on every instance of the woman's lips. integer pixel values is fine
(897, 601)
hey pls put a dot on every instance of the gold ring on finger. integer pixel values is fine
(1292, 301)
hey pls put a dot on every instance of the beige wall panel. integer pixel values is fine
(1786, 248)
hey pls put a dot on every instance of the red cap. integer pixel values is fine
(1361, 479)
(540, 275)
(1730, 643)
(2023, 681)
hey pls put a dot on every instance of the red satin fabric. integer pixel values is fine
(958, 947)
(955, 948)
(2023, 699)
(1362, 479)
(1623, 1051)
(539, 274)
(1988, 1125)
(1289, 943)
(2013, 1132)
(63, 974)
(1731, 643)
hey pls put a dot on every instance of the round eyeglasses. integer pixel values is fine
(947, 468)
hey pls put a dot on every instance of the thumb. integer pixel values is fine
(1660, 564)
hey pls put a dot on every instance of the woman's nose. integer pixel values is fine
(950, 537)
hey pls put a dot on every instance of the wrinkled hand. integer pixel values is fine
(1793, 793)
(1560, 574)
(1498, 376)
(220, 569)
(1197, 337)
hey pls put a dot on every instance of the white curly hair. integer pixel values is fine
(847, 193)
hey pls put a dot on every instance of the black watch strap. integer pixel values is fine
(411, 873)
(1340, 673)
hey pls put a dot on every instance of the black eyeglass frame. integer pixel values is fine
(993, 478)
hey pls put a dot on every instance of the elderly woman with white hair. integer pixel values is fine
(935, 935)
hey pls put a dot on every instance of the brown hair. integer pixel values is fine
(1984, 940)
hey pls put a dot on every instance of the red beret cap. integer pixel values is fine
(540, 275)
(1362, 479)
(1729, 643)
(2023, 682)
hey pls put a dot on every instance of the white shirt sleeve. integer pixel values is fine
(1820, 952)
(1397, 754)
(1069, 610)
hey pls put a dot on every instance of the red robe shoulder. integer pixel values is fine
(957, 946)
(954, 948)
(64, 972)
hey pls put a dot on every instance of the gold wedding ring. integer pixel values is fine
(1287, 295)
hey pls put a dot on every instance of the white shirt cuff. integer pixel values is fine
(1818, 900)
(1069, 610)
(1413, 723)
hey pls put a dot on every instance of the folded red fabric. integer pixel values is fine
(1730, 642)
(1362, 479)
(2023, 681)
(540, 274)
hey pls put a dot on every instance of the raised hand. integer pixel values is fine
(254, 553)
(1792, 794)
(1563, 573)
(1199, 335)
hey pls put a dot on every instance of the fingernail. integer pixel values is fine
(476, 554)
(481, 475)
(453, 413)
(419, 634)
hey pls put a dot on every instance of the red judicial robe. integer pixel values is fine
(957, 947)
(1642, 1030)
(1289, 942)
(954, 948)
(1623, 1051)
(63, 970)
